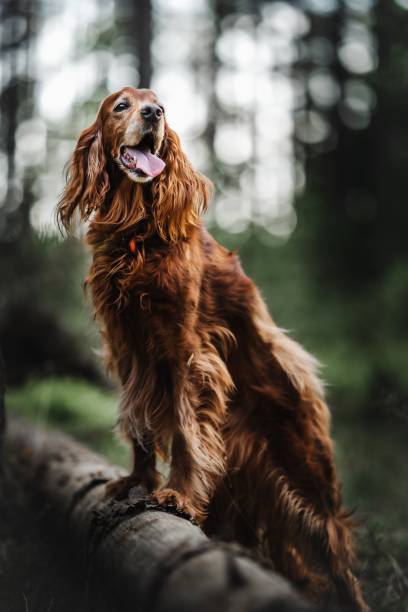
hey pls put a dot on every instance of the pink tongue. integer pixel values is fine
(147, 162)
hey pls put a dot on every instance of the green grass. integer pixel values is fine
(77, 407)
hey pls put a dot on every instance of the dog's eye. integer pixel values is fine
(121, 107)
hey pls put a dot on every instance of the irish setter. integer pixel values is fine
(208, 381)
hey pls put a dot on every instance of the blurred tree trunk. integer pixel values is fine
(389, 142)
(219, 11)
(134, 20)
(144, 40)
(15, 106)
(2, 393)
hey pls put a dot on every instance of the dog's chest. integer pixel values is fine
(162, 283)
(144, 283)
(161, 305)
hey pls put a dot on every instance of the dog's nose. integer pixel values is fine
(151, 112)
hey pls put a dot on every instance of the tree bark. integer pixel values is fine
(2, 392)
(137, 555)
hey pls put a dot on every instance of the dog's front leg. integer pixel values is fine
(183, 485)
(198, 451)
(143, 472)
(194, 475)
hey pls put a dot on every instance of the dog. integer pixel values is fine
(208, 381)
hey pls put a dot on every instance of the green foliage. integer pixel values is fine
(76, 406)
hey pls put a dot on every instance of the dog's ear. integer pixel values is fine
(180, 194)
(87, 178)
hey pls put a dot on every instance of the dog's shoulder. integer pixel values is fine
(216, 253)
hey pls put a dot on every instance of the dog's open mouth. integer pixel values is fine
(140, 159)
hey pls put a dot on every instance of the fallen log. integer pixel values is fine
(137, 555)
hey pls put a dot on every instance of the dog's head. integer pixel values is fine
(131, 143)
(133, 128)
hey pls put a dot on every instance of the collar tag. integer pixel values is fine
(132, 246)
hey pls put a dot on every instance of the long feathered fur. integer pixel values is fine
(208, 381)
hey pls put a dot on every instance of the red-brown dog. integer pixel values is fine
(208, 380)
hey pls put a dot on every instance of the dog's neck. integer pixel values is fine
(127, 208)
(131, 210)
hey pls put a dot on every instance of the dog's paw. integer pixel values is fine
(119, 489)
(172, 498)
